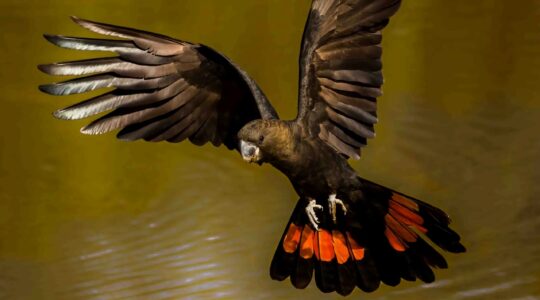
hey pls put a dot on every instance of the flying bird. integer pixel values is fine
(345, 230)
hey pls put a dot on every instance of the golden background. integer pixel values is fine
(95, 218)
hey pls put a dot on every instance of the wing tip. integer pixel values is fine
(54, 39)
(42, 67)
(127, 136)
(77, 19)
(90, 25)
(90, 130)
(65, 114)
(48, 89)
(58, 114)
(49, 37)
(46, 68)
(96, 128)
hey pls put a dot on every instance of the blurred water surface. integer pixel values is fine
(94, 218)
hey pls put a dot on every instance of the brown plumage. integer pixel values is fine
(346, 231)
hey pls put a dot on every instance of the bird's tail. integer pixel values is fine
(381, 238)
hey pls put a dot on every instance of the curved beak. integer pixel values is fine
(250, 152)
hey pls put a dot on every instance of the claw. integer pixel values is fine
(312, 216)
(333, 202)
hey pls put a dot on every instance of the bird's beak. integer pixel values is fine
(250, 152)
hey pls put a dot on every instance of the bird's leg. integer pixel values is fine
(310, 212)
(333, 202)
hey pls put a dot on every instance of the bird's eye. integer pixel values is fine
(261, 138)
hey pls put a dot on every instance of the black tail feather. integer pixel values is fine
(326, 277)
(346, 281)
(367, 276)
(302, 274)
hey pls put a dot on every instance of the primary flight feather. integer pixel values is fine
(345, 230)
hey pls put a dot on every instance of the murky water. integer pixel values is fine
(95, 218)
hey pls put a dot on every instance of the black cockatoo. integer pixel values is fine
(345, 230)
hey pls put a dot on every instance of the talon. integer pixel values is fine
(312, 216)
(333, 202)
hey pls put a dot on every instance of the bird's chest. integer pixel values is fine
(315, 184)
(319, 171)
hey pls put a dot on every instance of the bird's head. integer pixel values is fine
(265, 140)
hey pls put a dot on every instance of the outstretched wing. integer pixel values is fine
(164, 89)
(340, 71)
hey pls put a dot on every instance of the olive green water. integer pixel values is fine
(94, 218)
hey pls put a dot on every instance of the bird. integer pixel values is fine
(345, 231)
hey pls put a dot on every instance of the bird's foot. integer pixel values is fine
(333, 202)
(312, 216)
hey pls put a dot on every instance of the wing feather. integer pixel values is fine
(151, 42)
(163, 88)
(340, 70)
(115, 99)
(343, 86)
(122, 118)
(125, 49)
(337, 143)
(188, 131)
(114, 65)
(99, 81)
(335, 98)
(356, 127)
(372, 79)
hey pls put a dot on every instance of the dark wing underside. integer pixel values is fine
(340, 71)
(163, 89)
